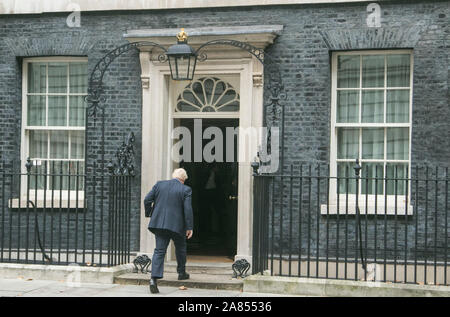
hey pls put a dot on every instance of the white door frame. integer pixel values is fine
(157, 123)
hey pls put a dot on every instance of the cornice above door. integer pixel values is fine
(259, 36)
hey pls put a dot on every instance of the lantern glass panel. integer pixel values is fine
(174, 67)
(193, 61)
(182, 67)
(183, 64)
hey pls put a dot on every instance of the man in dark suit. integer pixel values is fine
(172, 219)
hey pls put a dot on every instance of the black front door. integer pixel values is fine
(214, 196)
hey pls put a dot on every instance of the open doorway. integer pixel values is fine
(214, 194)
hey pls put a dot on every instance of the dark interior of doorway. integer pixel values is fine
(215, 209)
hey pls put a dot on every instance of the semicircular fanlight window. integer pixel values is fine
(208, 94)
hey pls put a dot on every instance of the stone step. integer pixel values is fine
(202, 268)
(204, 281)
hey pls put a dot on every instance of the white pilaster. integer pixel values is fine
(154, 139)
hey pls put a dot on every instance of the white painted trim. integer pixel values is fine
(43, 6)
(23, 139)
(59, 59)
(157, 120)
(350, 209)
(204, 115)
(373, 52)
(237, 31)
(48, 203)
(39, 196)
(25, 128)
(333, 136)
(334, 125)
(54, 128)
(372, 125)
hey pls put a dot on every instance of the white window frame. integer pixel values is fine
(24, 147)
(403, 206)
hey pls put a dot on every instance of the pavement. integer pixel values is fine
(22, 287)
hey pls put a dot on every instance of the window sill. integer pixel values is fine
(381, 210)
(48, 203)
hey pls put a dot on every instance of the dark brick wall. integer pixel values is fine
(303, 51)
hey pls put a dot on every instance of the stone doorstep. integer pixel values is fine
(204, 281)
(339, 288)
(202, 268)
(83, 274)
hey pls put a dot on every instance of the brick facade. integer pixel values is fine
(311, 33)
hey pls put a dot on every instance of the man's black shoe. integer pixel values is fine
(154, 286)
(183, 276)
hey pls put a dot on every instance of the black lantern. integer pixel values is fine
(182, 58)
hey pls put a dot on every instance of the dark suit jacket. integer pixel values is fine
(173, 207)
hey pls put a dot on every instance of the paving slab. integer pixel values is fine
(247, 294)
(125, 294)
(37, 288)
(9, 293)
(135, 291)
(22, 284)
(64, 292)
(204, 293)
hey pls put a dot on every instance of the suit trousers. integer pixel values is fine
(162, 242)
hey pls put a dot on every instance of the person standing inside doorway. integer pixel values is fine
(172, 219)
(212, 199)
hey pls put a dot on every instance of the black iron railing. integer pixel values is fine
(58, 213)
(383, 223)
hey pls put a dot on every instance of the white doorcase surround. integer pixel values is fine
(157, 119)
